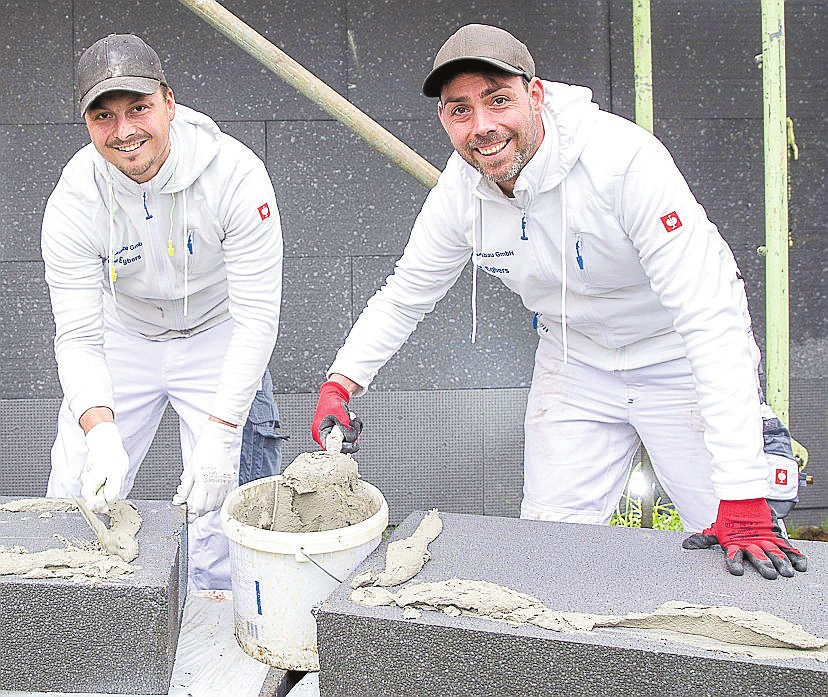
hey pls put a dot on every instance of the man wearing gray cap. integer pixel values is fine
(637, 300)
(163, 252)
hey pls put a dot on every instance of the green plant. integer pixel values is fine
(628, 511)
(628, 515)
(814, 533)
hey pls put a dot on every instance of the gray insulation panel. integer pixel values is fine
(573, 568)
(111, 636)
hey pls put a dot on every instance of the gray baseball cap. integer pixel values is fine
(117, 62)
(483, 43)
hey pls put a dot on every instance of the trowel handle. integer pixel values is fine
(333, 441)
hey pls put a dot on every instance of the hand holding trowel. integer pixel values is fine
(333, 410)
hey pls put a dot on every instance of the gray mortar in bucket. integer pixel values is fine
(318, 491)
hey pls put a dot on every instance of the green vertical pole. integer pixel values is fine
(643, 58)
(776, 207)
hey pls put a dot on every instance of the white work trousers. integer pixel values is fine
(146, 375)
(583, 428)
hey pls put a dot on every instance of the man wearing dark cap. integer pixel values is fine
(637, 300)
(163, 253)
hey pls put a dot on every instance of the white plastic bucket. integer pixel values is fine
(275, 581)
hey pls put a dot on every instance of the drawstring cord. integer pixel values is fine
(170, 247)
(113, 275)
(478, 226)
(189, 242)
(564, 224)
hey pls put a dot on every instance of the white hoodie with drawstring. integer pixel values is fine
(605, 242)
(198, 244)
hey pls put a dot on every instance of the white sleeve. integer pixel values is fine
(693, 272)
(74, 274)
(433, 259)
(253, 254)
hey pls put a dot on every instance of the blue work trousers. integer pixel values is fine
(261, 450)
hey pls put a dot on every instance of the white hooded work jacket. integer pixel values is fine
(198, 244)
(602, 211)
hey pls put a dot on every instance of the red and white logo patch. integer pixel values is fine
(781, 477)
(671, 221)
(264, 211)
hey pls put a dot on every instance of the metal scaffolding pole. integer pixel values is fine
(314, 89)
(643, 60)
(776, 208)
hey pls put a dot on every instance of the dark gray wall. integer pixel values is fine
(444, 417)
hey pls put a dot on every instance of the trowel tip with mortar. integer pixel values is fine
(117, 543)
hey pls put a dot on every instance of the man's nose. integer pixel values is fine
(124, 128)
(483, 122)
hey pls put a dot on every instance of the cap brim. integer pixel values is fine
(434, 80)
(144, 85)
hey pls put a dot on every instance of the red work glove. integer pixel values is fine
(748, 530)
(332, 410)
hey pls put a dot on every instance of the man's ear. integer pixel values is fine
(536, 95)
(169, 101)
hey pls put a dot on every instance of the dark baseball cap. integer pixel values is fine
(479, 42)
(117, 62)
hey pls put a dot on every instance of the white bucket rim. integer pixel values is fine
(299, 543)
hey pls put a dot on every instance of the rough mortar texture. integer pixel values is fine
(108, 636)
(575, 568)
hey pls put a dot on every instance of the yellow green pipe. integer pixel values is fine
(643, 62)
(643, 59)
(776, 208)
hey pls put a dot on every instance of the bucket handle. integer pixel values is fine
(301, 555)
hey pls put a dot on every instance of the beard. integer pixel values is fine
(146, 162)
(525, 141)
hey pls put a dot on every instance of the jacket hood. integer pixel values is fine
(194, 143)
(568, 117)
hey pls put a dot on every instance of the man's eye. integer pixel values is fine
(499, 101)
(460, 111)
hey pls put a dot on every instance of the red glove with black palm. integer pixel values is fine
(748, 530)
(333, 409)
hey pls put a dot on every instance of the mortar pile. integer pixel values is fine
(321, 491)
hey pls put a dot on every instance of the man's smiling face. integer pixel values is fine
(493, 122)
(132, 130)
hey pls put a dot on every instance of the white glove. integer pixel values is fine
(102, 478)
(210, 474)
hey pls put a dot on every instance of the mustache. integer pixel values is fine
(118, 143)
(483, 141)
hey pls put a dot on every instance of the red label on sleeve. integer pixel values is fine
(671, 221)
(781, 477)
(264, 211)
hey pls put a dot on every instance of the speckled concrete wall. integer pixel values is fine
(346, 211)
